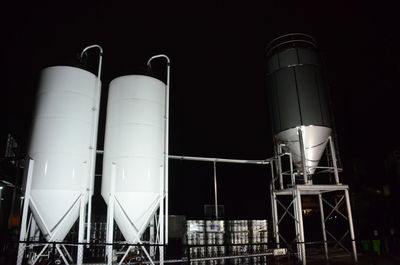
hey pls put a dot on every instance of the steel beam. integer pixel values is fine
(350, 219)
(110, 216)
(321, 209)
(22, 233)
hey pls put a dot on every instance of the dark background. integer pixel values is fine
(218, 94)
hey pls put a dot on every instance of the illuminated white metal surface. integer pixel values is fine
(61, 147)
(315, 139)
(134, 142)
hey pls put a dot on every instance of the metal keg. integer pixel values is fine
(200, 238)
(193, 252)
(219, 238)
(264, 237)
(195, 226)
(221, 250)
(190, 239)
(211, 238)
(215, 226)
(212, 251)
(202, 252)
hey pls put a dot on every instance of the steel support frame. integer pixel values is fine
(295, 194)
(297, 217)
(335, 207)
(112, 203)
(289, 188)
(25, 234)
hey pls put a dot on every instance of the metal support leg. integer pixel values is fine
(292, 176)
(32, 229)
(22, 234)
(215, 190)
(125, 255)
(152, 236)
(110, 217)
(321, 209)
(1, 188)
(40, 254)
(301, 227)
(303, 155)
(161, 247)
(67, 253)
(61, 254)
(162, 219)
(280, 167)
(350, 219)
(334, 160)
(296, 223)
(81, 231)
(275, 217)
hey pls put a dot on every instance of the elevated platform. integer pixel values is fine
(305, 189)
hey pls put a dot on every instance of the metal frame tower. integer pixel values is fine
(293, 184)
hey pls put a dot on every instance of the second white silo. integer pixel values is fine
(134, 146)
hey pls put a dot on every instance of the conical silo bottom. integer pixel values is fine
(315, 139)
(133, 212)
(55, 211)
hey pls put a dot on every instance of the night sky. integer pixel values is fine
(218, 93)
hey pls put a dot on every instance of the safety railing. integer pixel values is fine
(58, 253)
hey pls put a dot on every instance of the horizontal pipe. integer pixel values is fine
(216, 159)
(221, 160)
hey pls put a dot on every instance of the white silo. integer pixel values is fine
(135, 152)
(63, 151)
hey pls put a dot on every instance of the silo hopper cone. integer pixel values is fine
(133, 212)
(315, 139)
(55, 211)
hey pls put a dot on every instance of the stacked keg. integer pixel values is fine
(215, 231)
(207, 238)
(97, 235)
(195, 236)
(237, 236)
(258, 235)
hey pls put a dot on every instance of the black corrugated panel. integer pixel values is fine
(297, 92)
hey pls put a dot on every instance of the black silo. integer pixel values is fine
(297, 92)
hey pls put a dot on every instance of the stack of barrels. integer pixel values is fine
(195, 237)
(238, 236)
(258, 235)
(215, 231)
(98, 233)
(210, 238)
